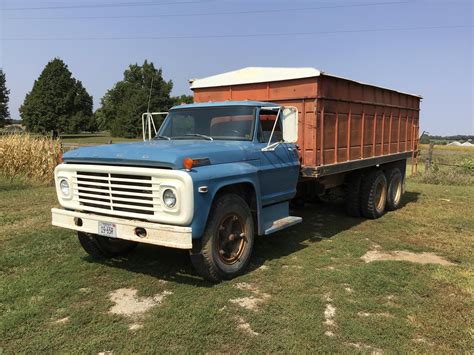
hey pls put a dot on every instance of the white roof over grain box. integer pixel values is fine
(253, 75)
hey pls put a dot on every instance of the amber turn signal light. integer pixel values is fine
(188, 163)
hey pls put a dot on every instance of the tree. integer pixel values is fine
(57, 102)
(122, 106)
(183, 99)
(4, 92)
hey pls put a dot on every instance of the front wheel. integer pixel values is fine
(226, 246)
(102, 247)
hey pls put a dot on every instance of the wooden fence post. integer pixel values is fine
(429, 159)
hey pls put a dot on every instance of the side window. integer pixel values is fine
(267, 121)
(182, 125)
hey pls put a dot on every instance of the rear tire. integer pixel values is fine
(226, 246)
(352, 195)
(395, 189)
(373, 194)
(102, 247)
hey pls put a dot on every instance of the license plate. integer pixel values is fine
(107, 230)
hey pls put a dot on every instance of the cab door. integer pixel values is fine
(279, 167)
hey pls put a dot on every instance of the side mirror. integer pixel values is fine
(289, 119)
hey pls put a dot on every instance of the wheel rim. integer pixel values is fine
(380, 196)
(231, 238)
(396, 190)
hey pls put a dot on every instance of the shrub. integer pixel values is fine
(468, 165)
(454, 175)
(33, 158)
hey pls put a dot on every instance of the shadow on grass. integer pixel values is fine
(320, 221)
(409, 197)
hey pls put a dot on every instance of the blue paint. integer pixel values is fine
(273, 175)
(161, 153)
(274, 213)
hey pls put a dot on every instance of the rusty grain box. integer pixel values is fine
(340, 120)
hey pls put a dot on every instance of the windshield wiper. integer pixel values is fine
(163, 137)
(200, 135)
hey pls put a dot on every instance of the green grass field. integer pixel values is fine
(308, 288)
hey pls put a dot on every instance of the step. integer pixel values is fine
(282, 224)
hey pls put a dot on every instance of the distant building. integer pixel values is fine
(14, 128)
(459, 144)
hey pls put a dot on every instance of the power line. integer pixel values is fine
(235, 35)
(107, 5)
(215, 13)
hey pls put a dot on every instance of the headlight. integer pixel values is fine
(169, 198)
(64, 186)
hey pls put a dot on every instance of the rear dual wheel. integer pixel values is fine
(373, 194)
(395, 189)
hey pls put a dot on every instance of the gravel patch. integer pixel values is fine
(420, 258)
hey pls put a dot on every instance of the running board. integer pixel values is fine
(282, 224)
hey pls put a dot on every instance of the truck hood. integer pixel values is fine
(161, 153)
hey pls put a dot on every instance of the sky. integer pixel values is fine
(423, 47)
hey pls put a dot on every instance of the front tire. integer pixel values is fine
(373, 194)
(225, 248)
(102, 247)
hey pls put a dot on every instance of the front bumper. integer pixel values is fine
(157, 234)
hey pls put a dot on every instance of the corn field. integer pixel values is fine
(29, 157)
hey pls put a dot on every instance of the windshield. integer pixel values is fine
(211, 123)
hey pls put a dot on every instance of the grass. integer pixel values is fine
(452, 148)
(46, 276)
(451, 165)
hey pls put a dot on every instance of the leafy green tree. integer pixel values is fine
(57, 102)
(122, 106)
(183, 99)
(4, 92)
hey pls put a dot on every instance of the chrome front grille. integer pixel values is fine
(132, 195)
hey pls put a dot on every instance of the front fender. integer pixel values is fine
(216, 177)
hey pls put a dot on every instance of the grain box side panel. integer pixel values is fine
(222, 93)
(339, 120)
(269, 91)
(257, 92)
(292, 89)
(357, 121)
(300, 93)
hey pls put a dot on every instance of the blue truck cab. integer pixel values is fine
(214, 176)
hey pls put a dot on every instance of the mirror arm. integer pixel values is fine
(274, 126)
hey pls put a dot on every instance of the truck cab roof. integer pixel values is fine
(226, 103)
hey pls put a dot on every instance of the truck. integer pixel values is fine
(223, 170)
